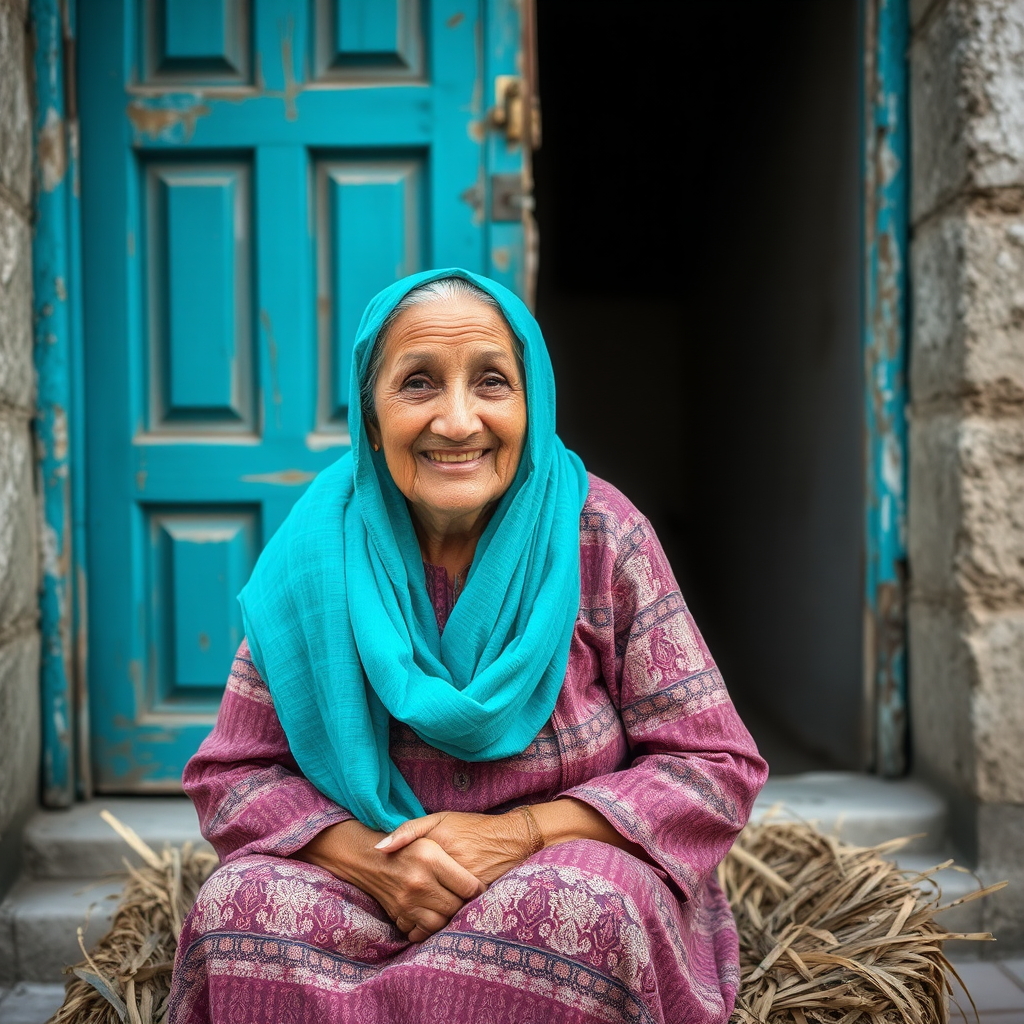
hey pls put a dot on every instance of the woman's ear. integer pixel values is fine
(373, 434)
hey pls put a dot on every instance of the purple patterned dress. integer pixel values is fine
(643, 731)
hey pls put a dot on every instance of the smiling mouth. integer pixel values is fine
(442, 456)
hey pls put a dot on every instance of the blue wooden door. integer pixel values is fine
(253, 171)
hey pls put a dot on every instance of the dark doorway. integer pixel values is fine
(698, 199)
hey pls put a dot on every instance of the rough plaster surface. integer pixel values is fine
(968, 268)
(19, 726)
(17, 375)
(967, 89)
(15, 123)
(19, 557)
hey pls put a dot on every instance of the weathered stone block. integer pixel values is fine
(939, 147)
(990, 555)
(19, 725)
(940, 699)
(968, 333)
(933, 503)
(15, 123)
(996, 642)
(967, 96)
(966, 508)
(1000, 841)
(17, 375)
(966, 716)
(919, 9)
(19, 559)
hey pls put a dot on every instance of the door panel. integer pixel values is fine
(252, 173)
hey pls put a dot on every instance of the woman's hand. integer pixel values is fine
(421, 888)
(486, 845)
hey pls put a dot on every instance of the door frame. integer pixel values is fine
(59, 362)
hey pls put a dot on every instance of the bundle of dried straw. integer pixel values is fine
(836, 933)
(126, 977)
(828, 932)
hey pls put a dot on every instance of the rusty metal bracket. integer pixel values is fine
(886, 251)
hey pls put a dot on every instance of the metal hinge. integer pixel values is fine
(509, 112)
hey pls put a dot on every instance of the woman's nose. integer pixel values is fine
(458, 417)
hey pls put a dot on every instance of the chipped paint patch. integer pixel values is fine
(284, 477)
(275, 391)
(291, 86)
(455, 20)
(51, 151)
(501, 257)
(170, 117)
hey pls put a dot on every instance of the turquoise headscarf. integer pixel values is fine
(340, 624)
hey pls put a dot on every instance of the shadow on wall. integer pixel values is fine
(698, 200)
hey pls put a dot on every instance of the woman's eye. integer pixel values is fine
(494, 381)
(416, 384)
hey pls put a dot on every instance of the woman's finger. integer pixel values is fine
(455, 878)
(426, 923)
(408, 832)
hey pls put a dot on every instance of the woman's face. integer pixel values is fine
(451, 408)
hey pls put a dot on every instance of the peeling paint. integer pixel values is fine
(54, 259)
(284, 477)
(168, 117)
(51, 151)
(885, 358)
(275, 391)
(501, 257)
(474, 198)
(455, 20)
(291, 87)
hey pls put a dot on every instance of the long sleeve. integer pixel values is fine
(691, 769)
(247, 789)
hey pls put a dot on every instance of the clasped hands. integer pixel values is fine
(425, 871)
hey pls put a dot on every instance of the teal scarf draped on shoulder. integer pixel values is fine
(341, 627)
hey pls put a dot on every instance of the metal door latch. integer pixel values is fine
(508, 200)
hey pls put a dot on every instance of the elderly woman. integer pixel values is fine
(474, 762)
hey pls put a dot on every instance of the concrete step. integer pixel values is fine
(78, 843)
(861, 809)
(39, 923)
(30, 1003)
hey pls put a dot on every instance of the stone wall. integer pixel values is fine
(966, 514)
(19, 633)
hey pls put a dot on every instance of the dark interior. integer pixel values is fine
(698, 201)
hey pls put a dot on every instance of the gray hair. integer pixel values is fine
(444, 289)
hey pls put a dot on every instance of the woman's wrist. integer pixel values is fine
(339, 847)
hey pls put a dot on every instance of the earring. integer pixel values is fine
(376, 447)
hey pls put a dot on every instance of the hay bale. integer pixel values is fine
(836, 933)
(828, 932)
